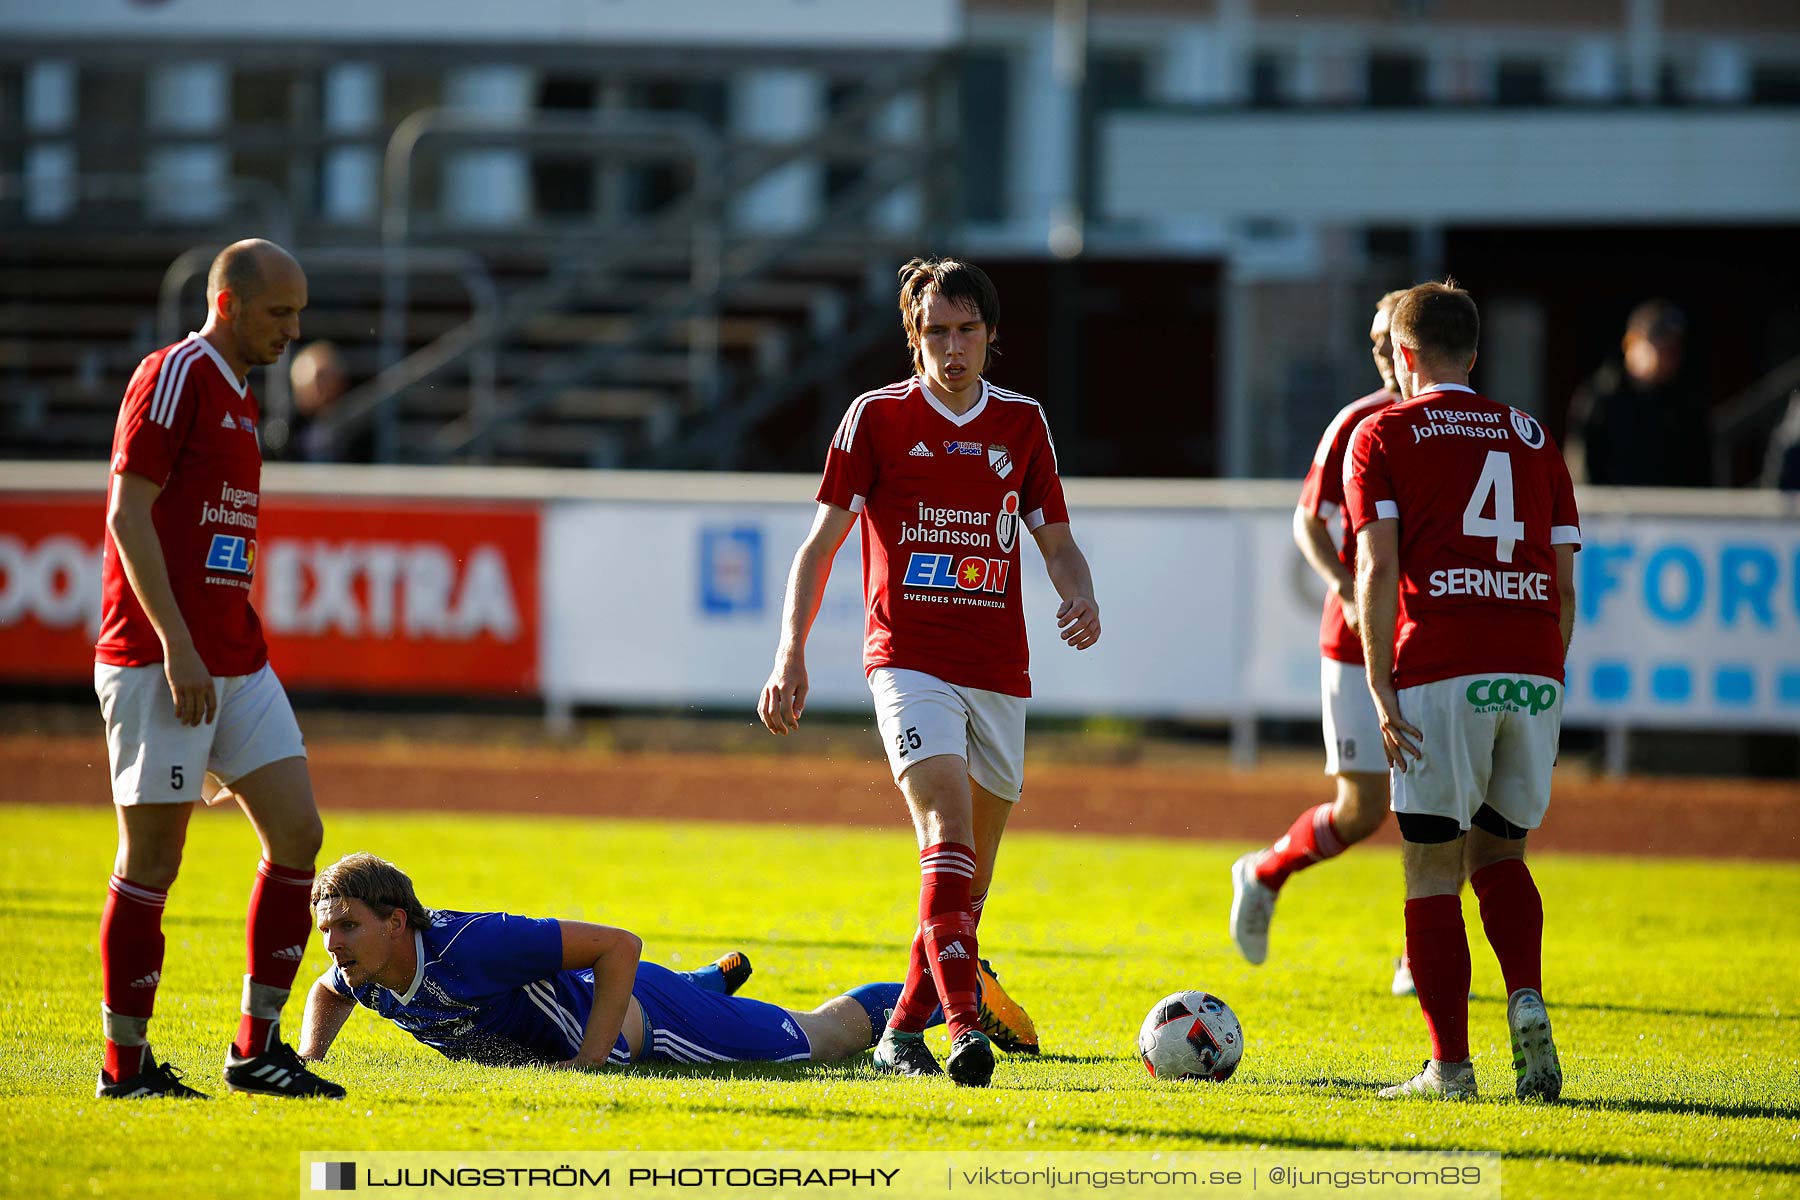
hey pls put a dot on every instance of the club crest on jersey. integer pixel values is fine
(1000, 460)
(1006, 522)
(969, 448)
(1529, 431)
(944, 572)
(231, 554)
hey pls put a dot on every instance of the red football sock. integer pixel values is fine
(918, 994)
(1512, 912)
(946, 871)
(1312, 838)
(280, 920)
(919, 997)
(131, 959)
(1439, 952)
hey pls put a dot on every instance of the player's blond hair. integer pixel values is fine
(957, 281)
(377, 882)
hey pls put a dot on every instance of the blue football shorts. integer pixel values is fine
(688, 1024)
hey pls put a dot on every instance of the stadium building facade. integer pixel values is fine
(664, 236)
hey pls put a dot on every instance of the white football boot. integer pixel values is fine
(1438, 1081)
(1252, 908)
(1535, 1064)
(1403, 981)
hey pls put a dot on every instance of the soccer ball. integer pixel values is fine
(1191, 1035)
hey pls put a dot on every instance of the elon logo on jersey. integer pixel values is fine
(233, 554)
(945, 573)
(1006, 523)
(1000, 460)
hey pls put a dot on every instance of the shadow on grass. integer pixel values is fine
(899, 949)
(1679, 1108)
(1662, 1010)
(772, 1072)
(91, 916)
(1691, 1108)
(1162, 1137)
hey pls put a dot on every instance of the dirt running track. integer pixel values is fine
(1722, 818)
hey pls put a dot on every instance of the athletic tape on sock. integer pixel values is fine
(263, 1001)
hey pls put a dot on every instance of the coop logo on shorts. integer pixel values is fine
(334, 1177)
(1000, 460)
(1529, 431)
(232, 554)
(1006, 523)
(1511, 695)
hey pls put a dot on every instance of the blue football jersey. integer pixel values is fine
(490, 988)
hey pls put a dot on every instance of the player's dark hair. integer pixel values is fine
(957, 281)
(1438, 320)
(376, 882)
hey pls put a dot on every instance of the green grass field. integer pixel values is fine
(1674, 986)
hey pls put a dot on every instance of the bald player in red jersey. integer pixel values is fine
(191, 706)
(1466, 533)
(943, 471)
(1353, 755)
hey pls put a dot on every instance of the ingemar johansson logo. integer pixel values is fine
(334, 1177)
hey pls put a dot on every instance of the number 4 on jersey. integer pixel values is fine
(1497, 480)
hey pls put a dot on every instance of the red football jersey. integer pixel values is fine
(188, 425)
(943, 499)
(1483, 497)
(1322, 496)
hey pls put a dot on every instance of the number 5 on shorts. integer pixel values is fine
(176, 779)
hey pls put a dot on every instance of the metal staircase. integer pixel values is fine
(660, 340)
(672, 326)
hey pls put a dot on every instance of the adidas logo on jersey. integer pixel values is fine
(921, 450)
(228, 423)
(953, 950)
(148, 981)
(291, 954)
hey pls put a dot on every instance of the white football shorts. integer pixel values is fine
(1487, 739)
(1352, 726)
(158, 760)
(920, 716)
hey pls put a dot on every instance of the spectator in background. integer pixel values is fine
(319, 380)
(1781, 469)
(1637, 422)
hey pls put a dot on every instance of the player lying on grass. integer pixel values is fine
(502, 989)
